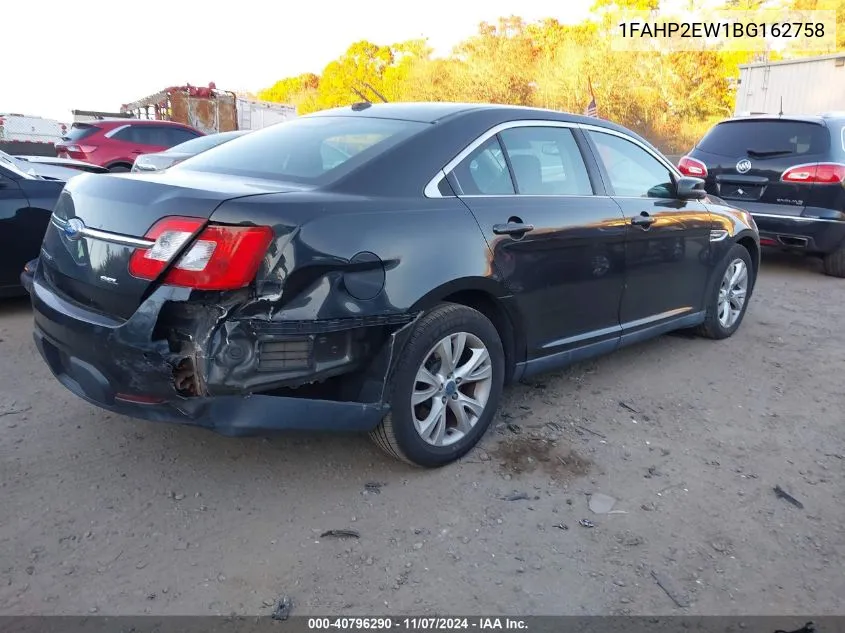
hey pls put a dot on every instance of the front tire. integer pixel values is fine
(834, 263)
(728, 298)
(445, 389)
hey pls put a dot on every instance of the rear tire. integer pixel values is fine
(119, 169)
(834, 263)
(455, 402)
(735, 278)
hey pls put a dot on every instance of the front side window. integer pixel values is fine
(546, 161)
(633, 172)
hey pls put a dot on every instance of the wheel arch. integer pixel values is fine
(489, 297)
(119, 163)
(747, 240)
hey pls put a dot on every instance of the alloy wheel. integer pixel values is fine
(451, 389)
(732, 293)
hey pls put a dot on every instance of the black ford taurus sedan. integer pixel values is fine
(380, 268)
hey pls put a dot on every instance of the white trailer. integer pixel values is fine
(23, 128)
(254, 115)
(808, 85)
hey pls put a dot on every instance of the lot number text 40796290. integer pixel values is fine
(417, 624)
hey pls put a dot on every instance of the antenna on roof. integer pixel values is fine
(781, 106)
(360, 94)
(377, 93)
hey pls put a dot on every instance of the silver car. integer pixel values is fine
(183, 151)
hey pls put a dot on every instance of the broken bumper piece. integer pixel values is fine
(121, 367)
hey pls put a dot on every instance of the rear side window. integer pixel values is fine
(79, 131)
(766, 139)
(546, 161)
(308, 149)
(139, 134)
(485, 171)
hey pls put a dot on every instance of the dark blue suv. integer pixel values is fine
(788, 172)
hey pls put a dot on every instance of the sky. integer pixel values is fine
(63, 55)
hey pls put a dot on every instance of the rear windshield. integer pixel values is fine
(203, 143)
(310, 150)
(766, 138)
(79, 131)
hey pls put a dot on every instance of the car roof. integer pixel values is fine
(818, 119)
(433, 112)
(127, 121)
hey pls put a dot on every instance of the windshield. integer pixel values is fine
(311, 150)
(18, 167)
(203, 143)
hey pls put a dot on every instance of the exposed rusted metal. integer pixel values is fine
(206, 109)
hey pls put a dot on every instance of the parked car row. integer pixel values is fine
(789, 172)
(116, 143)
(380, 268)
(390, 268)
(26, 201)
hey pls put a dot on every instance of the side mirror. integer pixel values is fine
(689, 188)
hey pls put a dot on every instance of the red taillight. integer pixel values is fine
(817, 173)
(79, 149)
(692, 167)
(767, 241)
(220, 258)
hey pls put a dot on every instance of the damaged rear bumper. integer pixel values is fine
(129, 368)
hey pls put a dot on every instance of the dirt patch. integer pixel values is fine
(528, 454)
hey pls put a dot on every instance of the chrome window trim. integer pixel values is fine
(842, 134)
(432, 188)
(117, 129)
(795, 218)
(535, 195)
(105, 236)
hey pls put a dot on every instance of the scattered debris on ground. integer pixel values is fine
(340, 534)
(665, 583)
(283, 608)
(783, 494)
(527, 454)
(600, 503)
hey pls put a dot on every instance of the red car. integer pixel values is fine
(116, 143)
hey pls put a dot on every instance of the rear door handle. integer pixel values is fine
(512, 228)
(643, 219)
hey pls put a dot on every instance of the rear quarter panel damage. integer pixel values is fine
(305, 300)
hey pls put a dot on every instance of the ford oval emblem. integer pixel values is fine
(743, 166)
(74, 228)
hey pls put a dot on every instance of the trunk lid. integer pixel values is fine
(745, 160)
(93, 271)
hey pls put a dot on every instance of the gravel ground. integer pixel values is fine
(102, 514)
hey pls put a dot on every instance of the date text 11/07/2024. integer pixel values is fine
(416, 624)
